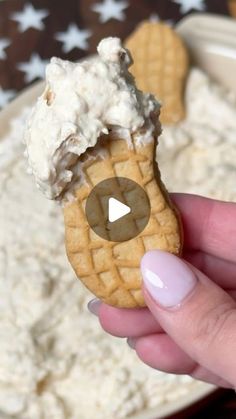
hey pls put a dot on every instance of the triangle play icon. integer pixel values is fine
(117, 210)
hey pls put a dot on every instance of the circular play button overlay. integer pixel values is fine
(117, 209)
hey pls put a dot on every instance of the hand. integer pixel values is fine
(189, 326)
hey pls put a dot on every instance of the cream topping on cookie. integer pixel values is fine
(81, 102)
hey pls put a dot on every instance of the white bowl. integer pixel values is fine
(26, 99)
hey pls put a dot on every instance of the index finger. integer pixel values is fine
(209, 225)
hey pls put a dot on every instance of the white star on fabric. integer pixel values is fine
(74, 37)
(30, 18)
(6, 96)
(4, 43)
(187, 5)
(34, 68)
(110, 9)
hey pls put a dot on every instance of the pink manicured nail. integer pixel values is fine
(167, 278)
(94, 306)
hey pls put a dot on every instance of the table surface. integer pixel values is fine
(32, 31)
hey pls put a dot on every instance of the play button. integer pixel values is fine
(117, 209)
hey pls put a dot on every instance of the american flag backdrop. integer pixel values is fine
(32, 31)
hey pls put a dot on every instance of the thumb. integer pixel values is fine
(193, 310)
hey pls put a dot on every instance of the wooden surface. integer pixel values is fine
(18, 44)
(222, 405)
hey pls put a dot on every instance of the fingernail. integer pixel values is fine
(167, 278)
(131, 342)
(94, 306)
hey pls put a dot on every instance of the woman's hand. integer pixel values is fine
(189, 326)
